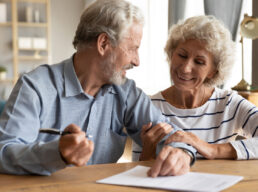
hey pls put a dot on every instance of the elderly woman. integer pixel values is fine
(200, 53)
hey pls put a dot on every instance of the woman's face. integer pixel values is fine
(191, 65)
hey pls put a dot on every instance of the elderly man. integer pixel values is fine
(88, 93)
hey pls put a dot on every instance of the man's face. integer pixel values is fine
(124, 56)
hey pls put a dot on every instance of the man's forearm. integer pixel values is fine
(36, 158)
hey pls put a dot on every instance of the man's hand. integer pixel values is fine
(170, 161)
(75, 148)
(150, 137)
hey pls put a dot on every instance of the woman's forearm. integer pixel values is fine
(224, 151)
(216, 151)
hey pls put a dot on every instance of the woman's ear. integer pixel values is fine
(103, 43)
(212, 74)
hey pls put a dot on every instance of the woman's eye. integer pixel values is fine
(200, 62)
(182, 55)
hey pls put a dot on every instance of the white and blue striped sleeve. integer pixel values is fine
(248, 148)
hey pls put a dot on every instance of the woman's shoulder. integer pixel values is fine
(157, 96)
(223, 92)
(225, 97)
(159, 101)
(217, 95)
(220, 94)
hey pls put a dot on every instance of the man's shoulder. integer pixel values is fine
(129, 89)
(45, 77)
(126, 87)
(45, 72)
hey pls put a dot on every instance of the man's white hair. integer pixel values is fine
(112, 17)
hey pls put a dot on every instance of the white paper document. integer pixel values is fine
(191, 181)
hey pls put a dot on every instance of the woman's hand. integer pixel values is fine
(209, 151)
(150, 137)
(205, 149)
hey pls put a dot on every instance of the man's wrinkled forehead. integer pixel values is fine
(133, 34)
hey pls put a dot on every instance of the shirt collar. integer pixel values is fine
(108, 89)
(72, 83)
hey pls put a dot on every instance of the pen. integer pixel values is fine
(57, 132)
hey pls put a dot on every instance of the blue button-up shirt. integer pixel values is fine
(52, 97)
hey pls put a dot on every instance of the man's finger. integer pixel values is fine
(72, 128)
(155, 169)
(170, 165)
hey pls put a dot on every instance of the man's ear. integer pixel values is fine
(103, 43)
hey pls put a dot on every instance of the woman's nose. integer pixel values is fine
(187, 66)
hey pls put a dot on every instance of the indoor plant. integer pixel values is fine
(2, 73)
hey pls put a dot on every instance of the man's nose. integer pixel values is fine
(135, 61)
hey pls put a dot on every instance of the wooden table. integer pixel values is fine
(75, 179)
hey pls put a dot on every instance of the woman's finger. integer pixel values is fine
(146, 127)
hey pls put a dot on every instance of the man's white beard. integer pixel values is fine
(114, 77)
(117, 78)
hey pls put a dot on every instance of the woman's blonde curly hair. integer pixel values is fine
(217, 38)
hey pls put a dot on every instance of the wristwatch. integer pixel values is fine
(191, 156)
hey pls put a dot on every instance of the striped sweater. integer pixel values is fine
(224, 116)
